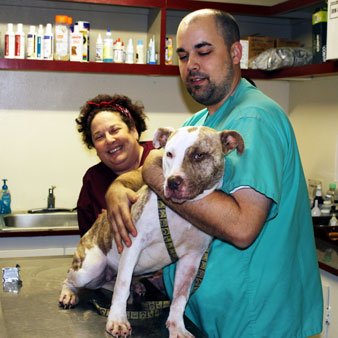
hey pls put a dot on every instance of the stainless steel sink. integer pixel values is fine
(41, 220)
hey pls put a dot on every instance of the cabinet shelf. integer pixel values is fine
(162, 7)
(324, 69)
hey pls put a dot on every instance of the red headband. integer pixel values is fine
(110, 104)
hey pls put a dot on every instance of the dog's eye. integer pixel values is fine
(169, 154)
(198, 156)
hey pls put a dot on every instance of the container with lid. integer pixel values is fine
(61, 51)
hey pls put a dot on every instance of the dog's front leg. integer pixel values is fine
(185, 274)
(117, 323)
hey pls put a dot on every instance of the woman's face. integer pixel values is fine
(116, 145)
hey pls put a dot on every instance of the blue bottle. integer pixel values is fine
(5, 202)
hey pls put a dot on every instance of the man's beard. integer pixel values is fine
(211, 93)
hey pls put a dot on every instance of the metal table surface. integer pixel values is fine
(34, 311)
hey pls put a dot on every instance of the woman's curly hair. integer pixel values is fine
(89, 110)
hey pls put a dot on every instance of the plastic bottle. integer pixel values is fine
(152, 53)
(61, 38)
(169, 51)
(99, 49)
(76, 45)
(315, 211)
(130, 51)
(20, 42)
(5, 203)
(48, 43)
(140, 52)
(118, 52)
(10, 42)
(39, 43)
(326, 208)
(318, 197)
(108, 45)
(84, 28)
(331, 192)
(31, 43)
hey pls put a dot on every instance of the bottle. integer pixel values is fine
(108, 46)
(315, 211)
(5, 203)
(333, 221)
(152, 53)
(10, 42)
(130, 51)
(48, 43)
(140, 52)
(84, 28)
(169, 51)
(76, 45)
(20, 42)
(331, 192)
(118, 52)
(39, 43)
(318, 197)
(99, 49)
(31, 43)
(326, 208)
(51, 198)
(61, 51)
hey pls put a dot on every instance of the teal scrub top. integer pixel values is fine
(272, 288)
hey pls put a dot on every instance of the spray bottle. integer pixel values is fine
(5, 202)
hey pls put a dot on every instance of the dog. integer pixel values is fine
(193, 166)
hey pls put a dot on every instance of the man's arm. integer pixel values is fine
(119, 197)
(237, 218)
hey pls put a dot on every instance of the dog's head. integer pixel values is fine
(193, 161)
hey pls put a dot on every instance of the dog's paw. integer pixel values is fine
(178, 331)
(68, 298)
(118, 327)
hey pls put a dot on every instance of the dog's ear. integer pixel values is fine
(231, 140)
(161, 136)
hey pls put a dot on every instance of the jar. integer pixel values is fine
(61, 51)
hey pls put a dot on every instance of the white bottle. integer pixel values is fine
(39, 43)
(20, 42)
(152, 53)
(130, 51)
(61, 51)
(108, 46)
(118, 52)
(10, 42)
(76, 45)
(99, 49)
(140, 52)
(31, 43)
(48, 43)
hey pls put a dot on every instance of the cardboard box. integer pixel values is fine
(319, 34)
(245, 54)
(258, 44)
(287, 43)
(332, 30)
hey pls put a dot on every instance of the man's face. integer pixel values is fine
(205, 62)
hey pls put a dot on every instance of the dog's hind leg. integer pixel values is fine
(90, 274)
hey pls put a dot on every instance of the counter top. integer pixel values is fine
(34, 311)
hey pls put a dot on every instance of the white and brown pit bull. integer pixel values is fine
(193, 166)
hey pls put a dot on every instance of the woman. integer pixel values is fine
(112, 125)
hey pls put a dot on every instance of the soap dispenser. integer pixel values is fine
(51, 198)
(5, 202)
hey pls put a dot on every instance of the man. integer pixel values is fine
(262, 277)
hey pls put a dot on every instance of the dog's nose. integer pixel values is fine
(174, 182)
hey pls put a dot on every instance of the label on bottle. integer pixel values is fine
(9, 46)
(61, 42)
(48, 47)
(31, 46)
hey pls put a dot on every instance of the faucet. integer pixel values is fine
(51, 198)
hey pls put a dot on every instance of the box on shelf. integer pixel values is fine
(332, 30)
(258, 44)
(281, 42)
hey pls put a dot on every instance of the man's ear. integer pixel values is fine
(236, 52)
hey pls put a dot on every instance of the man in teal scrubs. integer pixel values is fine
(262, 277)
